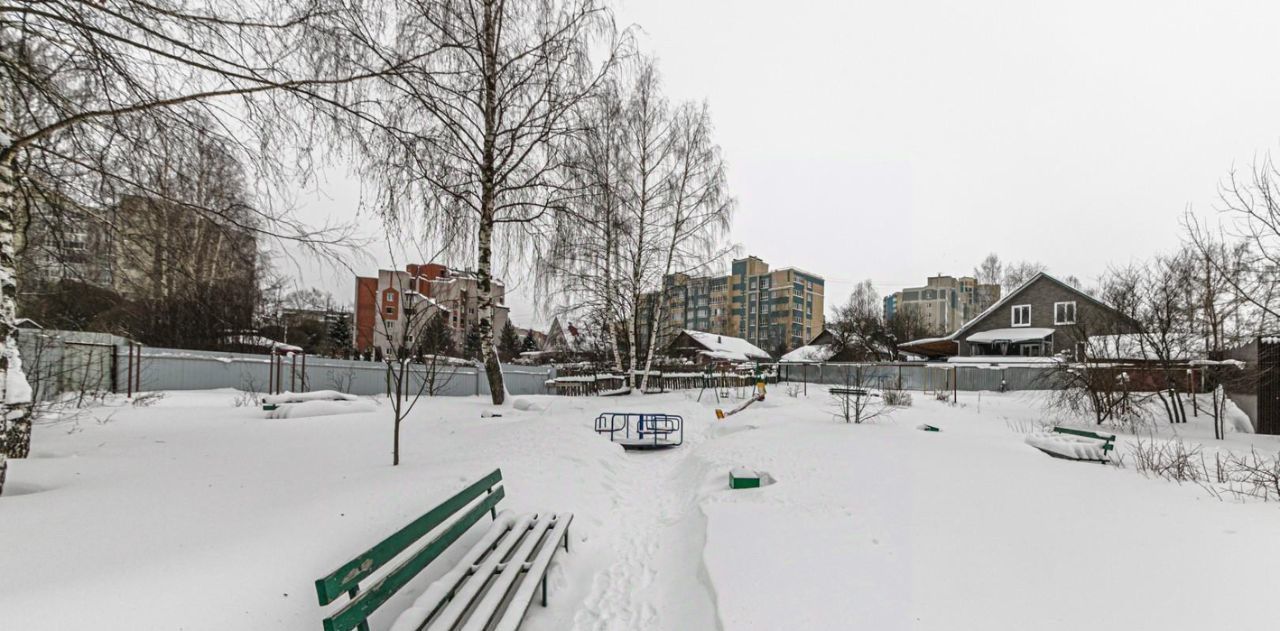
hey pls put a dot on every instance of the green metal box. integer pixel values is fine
(744, 479)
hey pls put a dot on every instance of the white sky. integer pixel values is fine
(892, 140)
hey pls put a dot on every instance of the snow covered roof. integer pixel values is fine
(428, 300)
(1003, 360)
(810, 354)
(260, 341)
(1012, 335)
(726, 347)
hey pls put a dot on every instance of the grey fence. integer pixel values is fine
(58, 362)
(177, 369)
(926, 377)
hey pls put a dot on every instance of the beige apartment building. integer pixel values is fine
(777, 310)
(944, 303)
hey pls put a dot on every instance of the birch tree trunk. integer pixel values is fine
(488, 186)
(15, 395)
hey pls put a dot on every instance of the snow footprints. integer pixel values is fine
(651, 501)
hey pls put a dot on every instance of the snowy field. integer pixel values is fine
(194, 513)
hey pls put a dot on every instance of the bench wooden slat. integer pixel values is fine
(351, 573)
(536, 574)
(488, 608)
(470, 590)
(362, 606)
(437, 594)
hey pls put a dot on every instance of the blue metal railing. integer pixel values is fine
(659, 427)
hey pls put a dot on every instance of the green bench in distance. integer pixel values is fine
(1108, 440)
(493, 584)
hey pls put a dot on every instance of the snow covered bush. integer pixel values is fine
(897, 398)
(1170, 459)
(1243, 476)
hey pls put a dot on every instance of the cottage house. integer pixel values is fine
(1044, 317)
(702, 347)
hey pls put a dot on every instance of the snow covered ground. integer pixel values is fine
(194, 513)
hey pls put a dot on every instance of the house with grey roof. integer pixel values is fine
(1044, 317)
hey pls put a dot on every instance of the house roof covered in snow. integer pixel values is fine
(1012, 335)
(722, 347)
(809, 354)
(1002, 360)
(260, 341)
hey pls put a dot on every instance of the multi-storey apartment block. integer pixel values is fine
(944, 303)
(773, 309)
(392, 307)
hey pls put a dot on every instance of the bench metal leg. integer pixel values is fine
(566, 539)
(544, 590)
(493, 511)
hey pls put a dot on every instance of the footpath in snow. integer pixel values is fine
(194, 513)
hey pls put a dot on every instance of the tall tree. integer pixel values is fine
(990, 271)
(472, 143)
(1243, 248)
(509, 342)
(86, 82)
(1016, 274)
(655, 203)
(579, 265)
(859, 326)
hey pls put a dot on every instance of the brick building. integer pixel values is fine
(395, 305)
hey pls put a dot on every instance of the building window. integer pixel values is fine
(1022, 315)
(1064, 313)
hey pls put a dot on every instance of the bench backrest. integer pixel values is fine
(346, 579)
(1085, 433)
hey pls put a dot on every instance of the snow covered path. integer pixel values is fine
(657, 580)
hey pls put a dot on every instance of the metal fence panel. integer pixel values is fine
(67, 361)
(179, 369)
(928, 377)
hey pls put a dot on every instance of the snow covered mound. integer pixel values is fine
(529, 405)
(299, 397)
(1067, 446)
(321, 408)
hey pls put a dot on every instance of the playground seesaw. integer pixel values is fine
(642, 430)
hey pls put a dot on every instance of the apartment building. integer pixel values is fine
(773, 309)
(944, 303)
(395, 305)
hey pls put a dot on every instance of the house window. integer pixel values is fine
(1064, 313)
(1031, 350)
(1022, 315)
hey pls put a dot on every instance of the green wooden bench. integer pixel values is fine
(1109, 440)
(492, 585)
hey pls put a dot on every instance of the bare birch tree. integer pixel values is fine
(469, 139)
(78, 77)
(1243, 248)
(698, 208)
(579, 264)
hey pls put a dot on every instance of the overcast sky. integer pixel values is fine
(893, 140)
